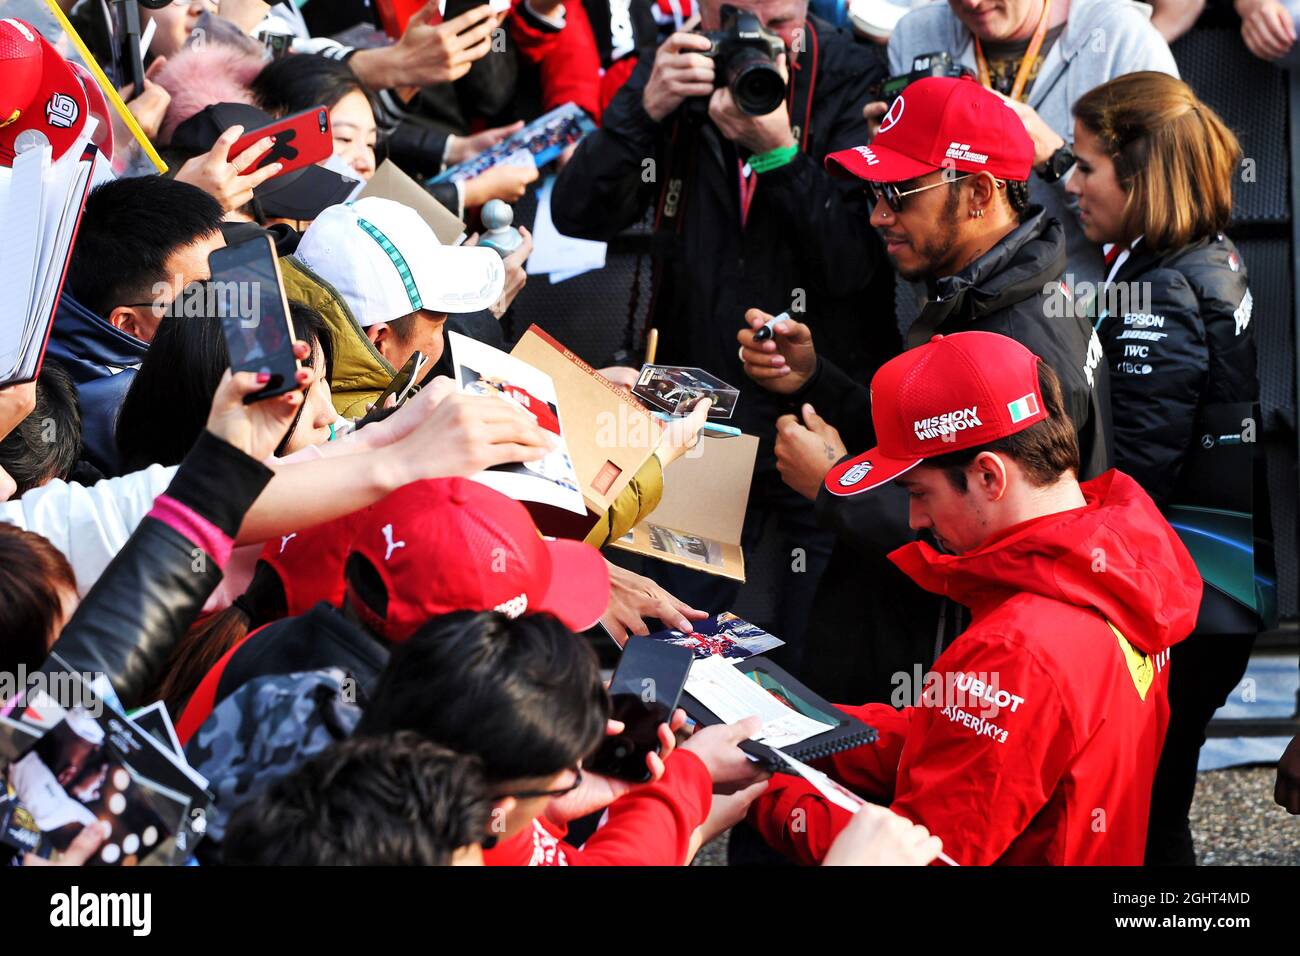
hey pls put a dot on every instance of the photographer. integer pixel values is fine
(990, 263)
(1041, 55)
(745, 213)
(1180, 344)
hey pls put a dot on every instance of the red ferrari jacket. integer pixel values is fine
(651, 826)
(1038, 731)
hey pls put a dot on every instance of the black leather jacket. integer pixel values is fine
(149, 595)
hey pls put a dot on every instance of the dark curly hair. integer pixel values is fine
(396, 800)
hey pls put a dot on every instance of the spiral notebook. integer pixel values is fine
(796, 721)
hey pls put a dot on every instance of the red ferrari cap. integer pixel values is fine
(451, 544)
(954, 392)
(40, 91)
(942, 122)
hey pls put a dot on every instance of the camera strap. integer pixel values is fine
(748, 180)
(1026, 62)
(682, 154)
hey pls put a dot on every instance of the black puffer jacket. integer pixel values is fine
(806, 232)
(1013, 290)
(869, 622)
(1183, 343)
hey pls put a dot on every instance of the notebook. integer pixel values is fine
(796, 721)
(40, 208)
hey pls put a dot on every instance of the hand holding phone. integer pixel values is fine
(257, 428)
(643, 695)
(408, 380)
(300, 140)
(249, 295)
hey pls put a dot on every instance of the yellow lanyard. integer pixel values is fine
(1026, 64)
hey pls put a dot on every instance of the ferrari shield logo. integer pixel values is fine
(855, 474)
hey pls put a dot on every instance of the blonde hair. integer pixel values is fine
(1173, 155)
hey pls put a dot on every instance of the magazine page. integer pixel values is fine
(483, 370)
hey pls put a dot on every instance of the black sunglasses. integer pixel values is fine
(894, 197)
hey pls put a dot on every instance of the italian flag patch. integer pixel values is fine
(1023, 407)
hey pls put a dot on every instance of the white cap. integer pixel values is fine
(386, 263)
(877, 18)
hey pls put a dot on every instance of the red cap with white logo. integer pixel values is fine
(309, 563)
(942, 122)
(953, 393)
(451, 544)
(40, 91)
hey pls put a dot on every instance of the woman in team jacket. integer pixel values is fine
(1153, 179)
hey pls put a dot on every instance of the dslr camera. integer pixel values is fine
(927, 64)
(744, 55)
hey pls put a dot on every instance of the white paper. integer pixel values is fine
(828, 788)
(482, 370)
(717, 684)
(553, 252)
(22, 190)
(146, 40)
(38, 213)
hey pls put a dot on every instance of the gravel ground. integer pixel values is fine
(1234, 821)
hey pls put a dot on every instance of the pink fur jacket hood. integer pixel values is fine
(199, 76)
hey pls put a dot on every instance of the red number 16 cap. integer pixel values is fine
(39, 91)
(953, 393)
(942, 122)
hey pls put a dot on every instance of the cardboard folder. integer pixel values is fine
(389, 182)
(609, 433)
(699, 521)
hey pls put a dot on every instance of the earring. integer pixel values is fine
(977, 213)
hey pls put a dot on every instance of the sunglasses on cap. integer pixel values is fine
(894, 197)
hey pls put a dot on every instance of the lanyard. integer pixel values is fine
(748, 184)
(1026, 63)
(747, 178)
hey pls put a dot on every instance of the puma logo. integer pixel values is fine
(284, 541)
(392, 545)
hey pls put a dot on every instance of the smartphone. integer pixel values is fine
(278, 44)
(250, 301)
(643, 693)
(454, 8)
(300, 140)
(405, 383)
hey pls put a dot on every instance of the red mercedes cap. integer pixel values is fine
(942, 122)
(954, 392)
(40, 91)
(451, 544)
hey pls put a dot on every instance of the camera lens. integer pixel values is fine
(755, 84)
(323, 117)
